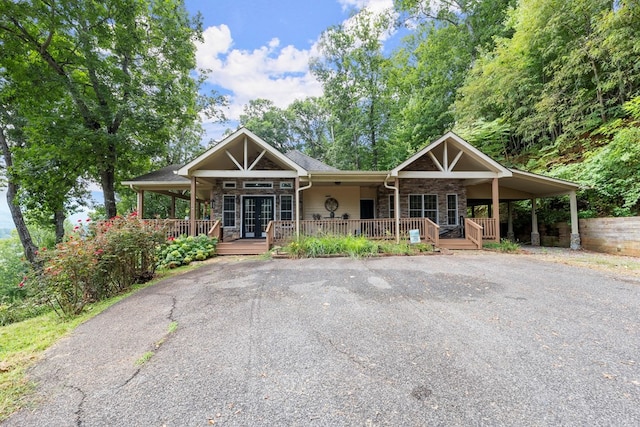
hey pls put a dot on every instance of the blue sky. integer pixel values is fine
(258, 49)
(261, 48)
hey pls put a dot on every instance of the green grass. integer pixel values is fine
(144, 358)
(23, 343)
(505, 245)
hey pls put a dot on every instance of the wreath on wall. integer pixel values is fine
(331, 204)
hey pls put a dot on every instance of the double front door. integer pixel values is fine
(256, 214)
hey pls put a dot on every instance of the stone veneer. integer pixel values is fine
(440, 187)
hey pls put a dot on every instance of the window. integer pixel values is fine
(229, 184)
(257, 184)
(286, 185)
(392, 206)
(452, 209)
(286, 207)
(424, 205)
(229, 211)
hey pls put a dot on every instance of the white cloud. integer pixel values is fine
(372, 5)
(280, 74)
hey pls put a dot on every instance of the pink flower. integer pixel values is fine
(88, 220)
(21, 284)
(79, 220)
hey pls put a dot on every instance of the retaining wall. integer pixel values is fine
(612, 235)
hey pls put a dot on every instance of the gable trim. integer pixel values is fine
(191, 168)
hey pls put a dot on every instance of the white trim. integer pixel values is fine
(189, 168)
(257, 185)
(243, 174)
(235, 210)
(452, 175)
(456, 208)
(286, 185)
(229, 185)
(280, 207)
(422, 195)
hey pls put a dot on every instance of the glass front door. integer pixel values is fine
(257, 212)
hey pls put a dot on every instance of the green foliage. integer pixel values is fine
(505, 245)
(353, 246)
(185, 249)
(91, 267)
(13, 268)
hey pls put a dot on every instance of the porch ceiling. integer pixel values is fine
(346, 177)
(521, 186)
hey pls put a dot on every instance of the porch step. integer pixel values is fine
(242, 247)
(456, 244)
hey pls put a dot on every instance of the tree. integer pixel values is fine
(270, 122)
(124, 68)
(352, 72)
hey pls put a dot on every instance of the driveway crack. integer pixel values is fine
(79, 409)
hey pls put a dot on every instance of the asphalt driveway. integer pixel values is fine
(466, 339)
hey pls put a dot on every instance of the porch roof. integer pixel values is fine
(521, 185)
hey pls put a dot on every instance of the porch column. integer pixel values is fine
(193, 207)
(495, 210)
(510, 235)
(140, 207)
(535, 235)
(575, 232)
(396, 202)
(172, 207)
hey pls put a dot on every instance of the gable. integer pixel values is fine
(242, 154)
(450, 157)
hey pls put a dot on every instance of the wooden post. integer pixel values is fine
(193, 207)
(172, 208)
(510, 234)
(140, 207)
(495, 193)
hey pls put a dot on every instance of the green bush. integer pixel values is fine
(183, 250)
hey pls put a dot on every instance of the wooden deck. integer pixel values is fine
(242, 247)
(457, 244)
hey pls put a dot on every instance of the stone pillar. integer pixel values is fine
(510, 234)
(575, 233)
(535, 235)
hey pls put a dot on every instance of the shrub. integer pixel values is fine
(183, 250)
(99, 262)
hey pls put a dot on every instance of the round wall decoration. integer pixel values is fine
(331, 204)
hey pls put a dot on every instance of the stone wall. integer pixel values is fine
(612, 235)
(441, 187)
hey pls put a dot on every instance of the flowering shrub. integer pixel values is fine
(183, 250)
(98, 262)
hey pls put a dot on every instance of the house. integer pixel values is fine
(244, 190)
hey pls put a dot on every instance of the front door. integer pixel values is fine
(366, 209)
(257, 212)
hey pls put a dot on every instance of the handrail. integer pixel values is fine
(489, 227)
(216, 231)
(473, 232)
(269, 234)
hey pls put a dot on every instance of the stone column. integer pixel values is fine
(510, 234)
(535, 235)
(575, 233)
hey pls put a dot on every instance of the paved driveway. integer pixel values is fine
(467, 339)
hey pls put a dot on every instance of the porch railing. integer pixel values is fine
(375, 229)
(216, 231)
(473, 232)
(177, 227)
(489, 227)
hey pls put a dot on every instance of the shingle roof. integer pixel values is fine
(166, 174)
(308, 163)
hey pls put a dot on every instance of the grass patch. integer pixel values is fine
(505, 245)
(23, 343)
(144, 358)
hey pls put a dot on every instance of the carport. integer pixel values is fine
(526, 186)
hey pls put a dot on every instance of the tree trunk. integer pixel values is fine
(107, 178)
(59, 217)
(16, 213)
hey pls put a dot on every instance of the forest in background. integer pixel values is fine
(103, 92)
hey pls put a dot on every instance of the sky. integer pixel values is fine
(257, 49)
(261, 48)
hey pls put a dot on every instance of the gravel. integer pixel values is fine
(467, 339)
